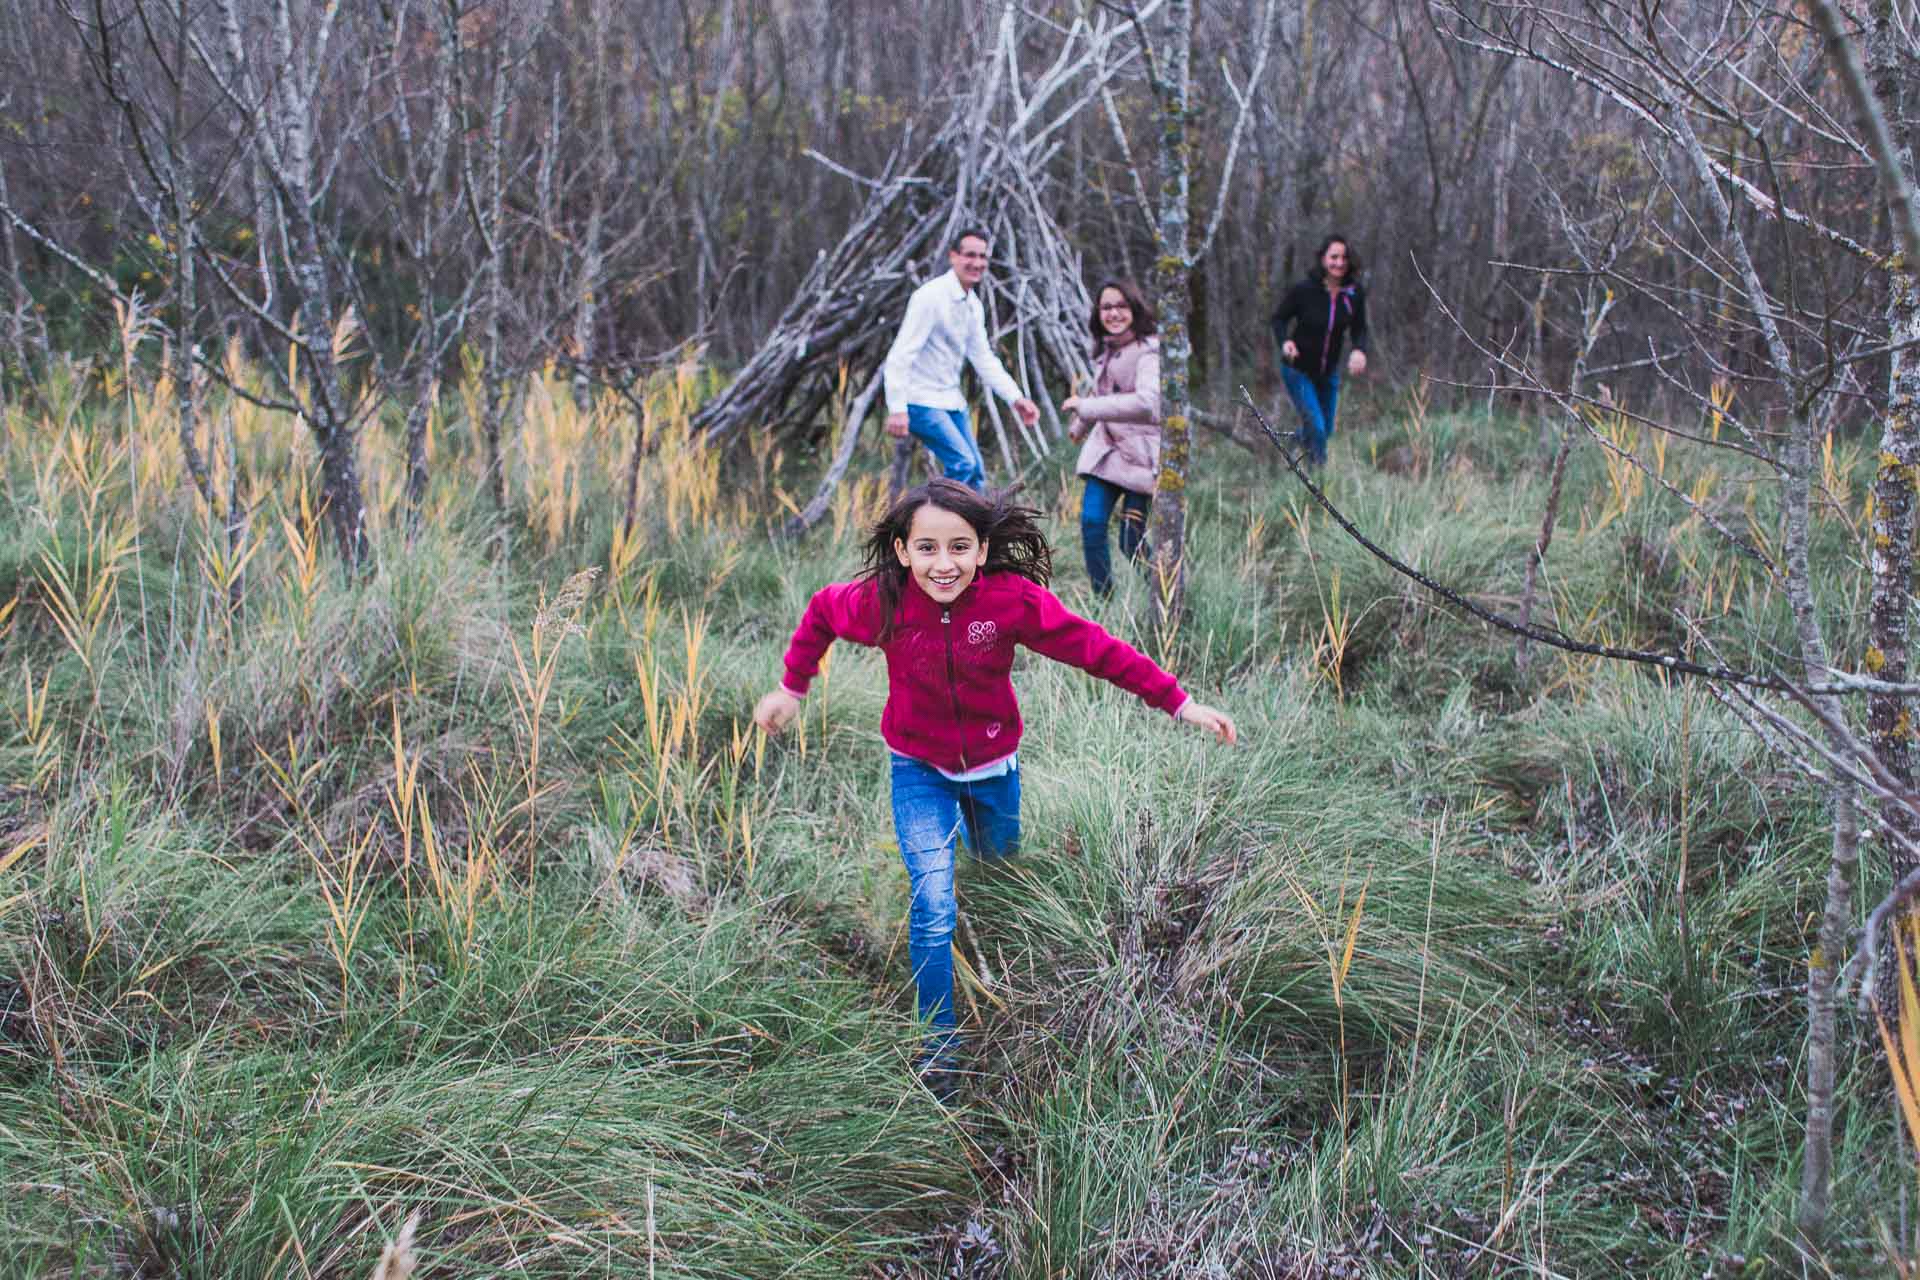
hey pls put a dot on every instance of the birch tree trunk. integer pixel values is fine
(1836, 921)
(328, 414)
(19, 302)
(1173, 269)
(277, 69)
(185, 294)
(1795, 467)
(1889, 719)
(586, 312)
(493, 235)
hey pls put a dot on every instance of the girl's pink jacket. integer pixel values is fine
(949, 689)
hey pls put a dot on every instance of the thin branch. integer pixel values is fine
(1886, 157)
(1245, 102)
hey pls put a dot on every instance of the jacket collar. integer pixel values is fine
(950, 287)
(913, 599)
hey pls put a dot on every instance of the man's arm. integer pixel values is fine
(993, 373)
(980, 356)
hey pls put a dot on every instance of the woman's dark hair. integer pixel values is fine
(1144, 321)
(1011, 532)
(1319, 272)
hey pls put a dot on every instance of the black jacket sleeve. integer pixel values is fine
(1285, 314)
(1357, 326)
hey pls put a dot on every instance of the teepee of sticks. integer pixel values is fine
(986, 167)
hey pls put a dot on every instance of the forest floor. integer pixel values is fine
(466, 889)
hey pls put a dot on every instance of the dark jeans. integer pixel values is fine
(1096, 508)
(1316, 401)
(929, 812)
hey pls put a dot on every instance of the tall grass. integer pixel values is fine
(461, 895)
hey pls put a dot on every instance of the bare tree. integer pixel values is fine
(19, 302)
(1168, 61)
(1890, 716)
(274, 68)
(496, 55)
(410, 152)
(1707, 95)
(157, 110)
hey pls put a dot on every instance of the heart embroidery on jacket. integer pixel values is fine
(993, 730)
(982, 632)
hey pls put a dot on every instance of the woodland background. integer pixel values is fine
(656, 185)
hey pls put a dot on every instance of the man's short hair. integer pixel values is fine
(964, 232)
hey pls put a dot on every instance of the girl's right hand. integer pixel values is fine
(1289, 351)
(1217, 723)
(776, 711)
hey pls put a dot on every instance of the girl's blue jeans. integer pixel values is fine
(946, 433)
(1315, 399)
(1096, 509)
(930, 811)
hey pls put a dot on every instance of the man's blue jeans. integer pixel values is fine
(1096, 508)
(946, 433)
(1316, 401)
(929, 812)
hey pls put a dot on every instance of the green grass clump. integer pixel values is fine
(465, 887)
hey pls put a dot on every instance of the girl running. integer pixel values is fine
(953, 580)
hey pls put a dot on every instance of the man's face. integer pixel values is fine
(969, 260)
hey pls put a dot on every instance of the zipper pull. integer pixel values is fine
(946, 615)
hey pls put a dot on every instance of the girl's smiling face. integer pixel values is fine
(942, 552)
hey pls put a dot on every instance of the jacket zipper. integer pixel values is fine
(953, 687)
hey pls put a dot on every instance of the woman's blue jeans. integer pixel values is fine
(1315, 400)
(1096, 509)
(930, 811)
(946, 433)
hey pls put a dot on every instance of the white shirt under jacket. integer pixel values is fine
(945, 324)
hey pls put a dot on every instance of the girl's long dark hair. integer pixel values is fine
(1145, 323)
(1012, 533)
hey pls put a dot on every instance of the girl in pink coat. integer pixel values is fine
(1120, 422)
(954, 580)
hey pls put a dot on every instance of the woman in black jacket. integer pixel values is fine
(1313, 322)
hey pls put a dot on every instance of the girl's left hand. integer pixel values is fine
(1070, 405)
(1217, 723)
(776, 711)
(1357, 363)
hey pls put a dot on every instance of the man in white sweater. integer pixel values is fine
(944, 325)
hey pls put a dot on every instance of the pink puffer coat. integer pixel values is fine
(1123, 417)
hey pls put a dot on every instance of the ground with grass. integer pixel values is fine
(465, 888)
